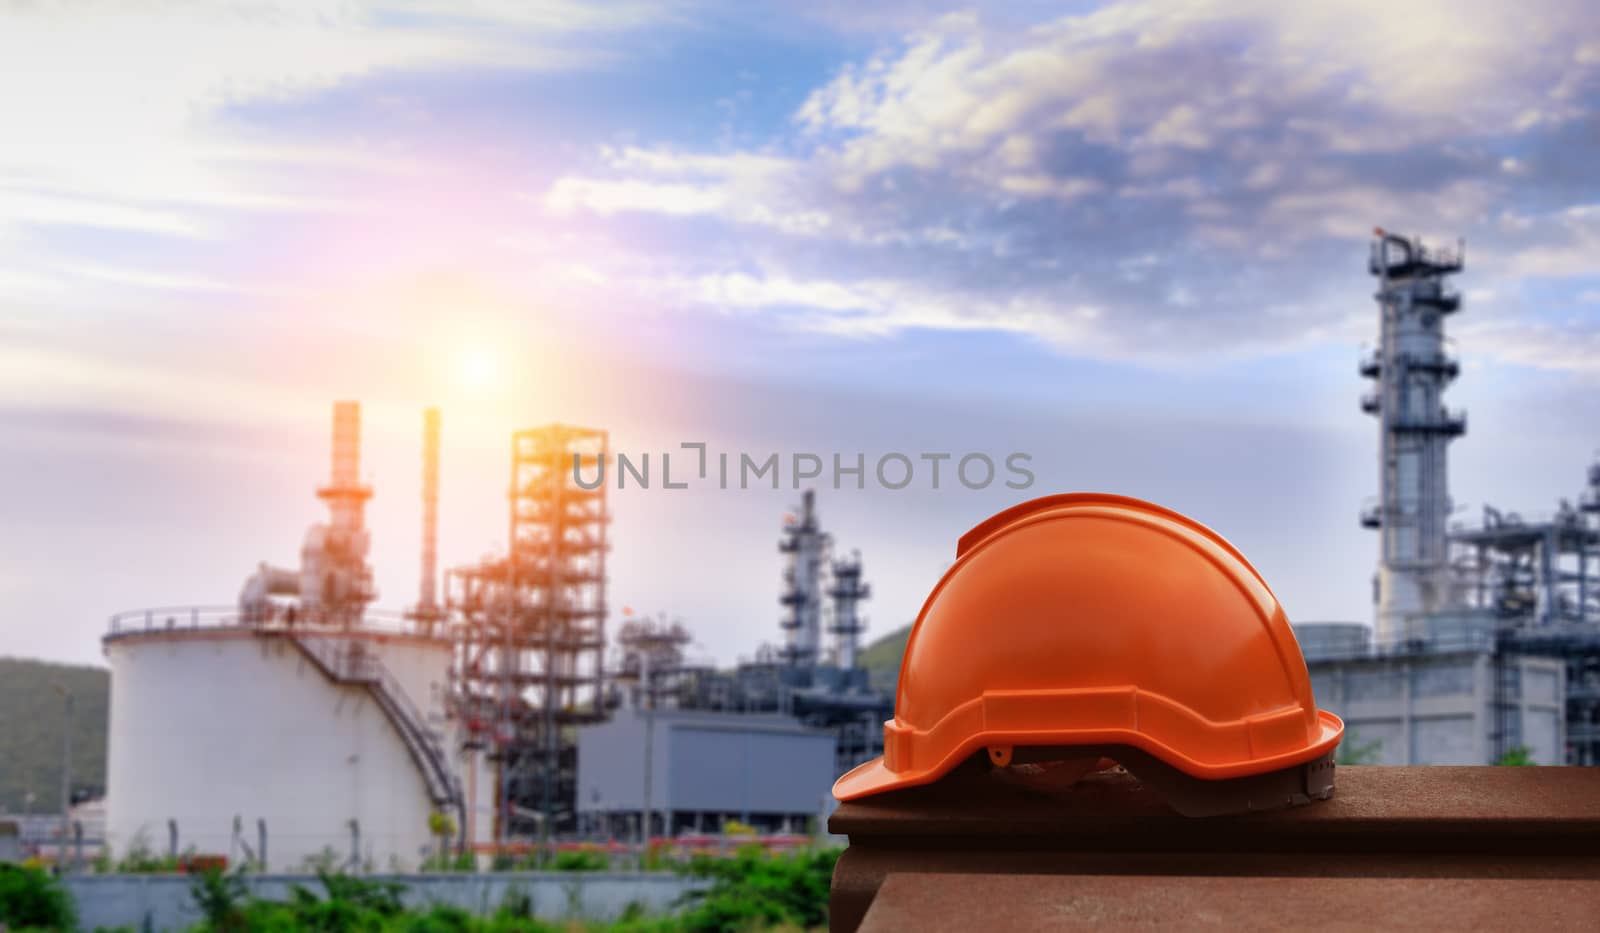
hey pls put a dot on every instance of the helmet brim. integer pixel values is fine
(874, 777)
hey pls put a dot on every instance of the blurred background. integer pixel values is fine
(1133, 240)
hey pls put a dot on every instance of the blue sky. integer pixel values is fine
(1127, 238)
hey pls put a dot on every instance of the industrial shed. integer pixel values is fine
(765, 770)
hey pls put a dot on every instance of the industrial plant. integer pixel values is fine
(311, 727)
(316, 730)
(1486, 637)
(500, 711)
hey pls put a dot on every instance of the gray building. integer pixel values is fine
(1451, 700)
(704, 767)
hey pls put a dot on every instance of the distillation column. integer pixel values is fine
(804, 546)
(1589, 504)
(847, 591)
(1412, 369)
(336, 583)
(427, 595)
(333, 583)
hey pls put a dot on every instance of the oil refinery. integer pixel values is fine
(1485, 638)
(500, 710)
(316, 730)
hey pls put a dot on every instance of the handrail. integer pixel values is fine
(1519, 639)
(1402, 647)
(1446, 420)
(448, 790)
(170, 618)
(349, 662)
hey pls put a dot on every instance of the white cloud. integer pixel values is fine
(610, 197)
(47, 208)
(1537, 343)
(986, 176)
(118, 104)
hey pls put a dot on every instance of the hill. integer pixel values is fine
(30, 732)
(882, 658)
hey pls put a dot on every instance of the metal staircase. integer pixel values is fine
(348, 661)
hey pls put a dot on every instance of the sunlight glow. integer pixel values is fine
(478, 369)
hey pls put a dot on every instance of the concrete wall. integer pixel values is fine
(1437, 708)
(163, 901)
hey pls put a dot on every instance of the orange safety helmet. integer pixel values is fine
(1098, 620)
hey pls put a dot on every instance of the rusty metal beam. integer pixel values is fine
(932, 903)
(1418, 822)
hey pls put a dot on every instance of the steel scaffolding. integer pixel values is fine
(530, 663)
(1541, 581)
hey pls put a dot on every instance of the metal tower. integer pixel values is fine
(427, 591)
(847, 592)
(333, 584)
(336, 583)
(531, 660)
(1412, 369)
(1590, 501)
(805, 546)
(651, 655)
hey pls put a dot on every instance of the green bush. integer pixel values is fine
(580, 860)
(1352, 751)
(30, 897)
(220, 899)
(379, 897)
(352, 905)
(751, 891)
(754, 891)
(441, 918)
(503, 861)
(503, 923)
(1516, 756)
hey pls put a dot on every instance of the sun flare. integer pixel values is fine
(478, 369)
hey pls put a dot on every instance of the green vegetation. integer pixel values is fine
(751, 891)
(30, 897)
(1352, 751)
(1516, 755)
(30, 731)
(140, 859)
(580, 860)
(347, 904)
(882, 658)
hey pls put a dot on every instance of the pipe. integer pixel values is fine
(355, 845)
(427, 598)
(266, 582)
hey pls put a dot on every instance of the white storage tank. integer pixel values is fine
(333, 740)
(297, 728)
